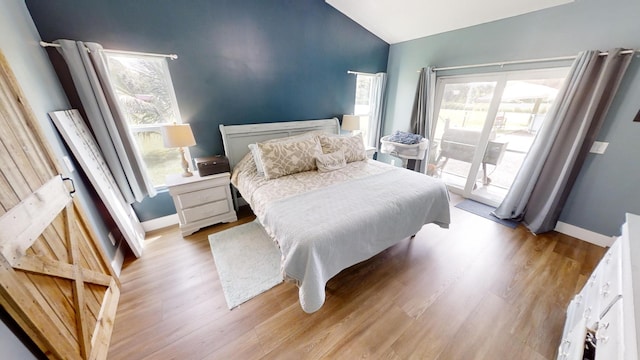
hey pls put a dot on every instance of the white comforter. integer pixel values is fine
(325, 230)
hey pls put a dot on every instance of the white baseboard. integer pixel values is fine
(159, 223)
(118, 259)
(584, 234)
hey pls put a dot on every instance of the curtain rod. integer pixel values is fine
(561, 58)
(170, 56)
(359, 73)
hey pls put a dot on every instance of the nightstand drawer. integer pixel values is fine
(206, 210)
(199, 197)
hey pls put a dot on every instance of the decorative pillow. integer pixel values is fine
(352, 146)
(256, 158)
(256, 153)
(285, 158)
(331, 161)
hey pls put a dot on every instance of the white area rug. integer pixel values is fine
(248, 262)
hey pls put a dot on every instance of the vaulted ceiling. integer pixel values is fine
(396, 21)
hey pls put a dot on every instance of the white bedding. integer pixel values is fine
(326, 222)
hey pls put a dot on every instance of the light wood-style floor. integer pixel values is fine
(476, 291)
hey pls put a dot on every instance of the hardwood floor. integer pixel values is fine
(478, 290)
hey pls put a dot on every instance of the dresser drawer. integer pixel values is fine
(602, 288)
(588, 300)
(207, 210)
(196, 198)
(609, 334)
(572, 344)
(611, 280)
(574, 315)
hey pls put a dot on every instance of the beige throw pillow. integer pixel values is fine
(285, 158)
(351, 146)
(256, 153)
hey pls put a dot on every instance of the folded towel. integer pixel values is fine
(404, 137)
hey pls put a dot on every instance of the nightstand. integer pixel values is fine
(201, 201)
(371, 151)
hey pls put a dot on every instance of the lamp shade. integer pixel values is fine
(177, 135)
(350, 122)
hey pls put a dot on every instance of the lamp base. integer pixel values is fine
(185, 165)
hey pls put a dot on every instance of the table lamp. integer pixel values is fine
(351, 123)
(179, 135)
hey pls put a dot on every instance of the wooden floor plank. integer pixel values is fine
(478, 290)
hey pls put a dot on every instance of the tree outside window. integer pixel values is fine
(145, 94)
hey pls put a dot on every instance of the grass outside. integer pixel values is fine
(513, 121)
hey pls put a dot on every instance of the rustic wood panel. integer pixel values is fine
(55, 280)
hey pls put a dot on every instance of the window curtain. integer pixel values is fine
(422, 114)
(553, 163)
(91, 78)
(376, 103)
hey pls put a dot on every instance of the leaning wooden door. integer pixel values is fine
(54, 278)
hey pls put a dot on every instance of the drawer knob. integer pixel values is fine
(601, 332)
(564, 348)
(602, 339)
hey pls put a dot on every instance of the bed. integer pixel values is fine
(332, 214)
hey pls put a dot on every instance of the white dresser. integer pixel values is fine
(607, 309)
(201, 201)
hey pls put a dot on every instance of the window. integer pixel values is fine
(362, 106)
(146, 96)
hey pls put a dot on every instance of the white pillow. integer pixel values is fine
(331, 161)
(352, 146)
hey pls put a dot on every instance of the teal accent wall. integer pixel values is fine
(605, 189)
(240, 62)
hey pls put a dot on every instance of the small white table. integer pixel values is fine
(201, 201)
(371, 150)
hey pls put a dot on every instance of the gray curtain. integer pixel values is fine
(91, 78)
(422, 114)
(376, 101)
(553, 163)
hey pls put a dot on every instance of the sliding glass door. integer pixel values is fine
(485, 125)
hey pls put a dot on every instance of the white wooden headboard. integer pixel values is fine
(236, 138)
